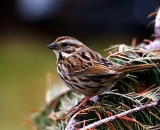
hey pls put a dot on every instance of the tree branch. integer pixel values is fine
(111, 118)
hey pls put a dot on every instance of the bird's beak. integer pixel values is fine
(53, 46)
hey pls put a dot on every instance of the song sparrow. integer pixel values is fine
(86, 71)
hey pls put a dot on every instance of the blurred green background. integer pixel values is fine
(28, 26)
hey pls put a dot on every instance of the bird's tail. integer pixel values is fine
(134, 68)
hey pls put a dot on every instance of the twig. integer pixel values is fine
(104, 121)
(156, 26)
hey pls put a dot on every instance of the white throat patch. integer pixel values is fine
(57, 53)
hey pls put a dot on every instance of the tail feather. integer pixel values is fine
(134, 68)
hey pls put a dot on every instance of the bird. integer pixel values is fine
(86, 71)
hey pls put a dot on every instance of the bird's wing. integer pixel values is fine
(92, 69)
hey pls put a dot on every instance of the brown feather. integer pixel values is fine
(129, 69)
(95, 70)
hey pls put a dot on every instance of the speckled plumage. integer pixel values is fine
(84, 70)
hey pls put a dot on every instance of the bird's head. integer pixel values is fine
(66, 46)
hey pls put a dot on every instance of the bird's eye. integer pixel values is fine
(65, 45)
